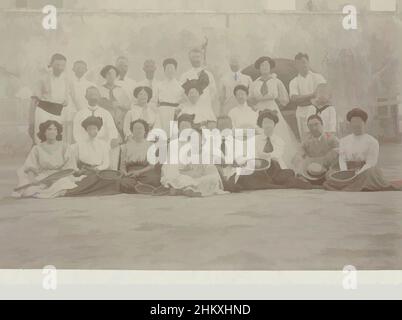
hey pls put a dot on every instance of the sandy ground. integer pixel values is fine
(264, 230)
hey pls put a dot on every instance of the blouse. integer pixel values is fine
(94, 152)
(362, 148)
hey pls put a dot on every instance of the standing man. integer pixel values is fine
(150, 81)
(198, 71)
(126, 83)
(78, 88)
(50, 97)
(171, 94)
(302, 89)
(229, 81)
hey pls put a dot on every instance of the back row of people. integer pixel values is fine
(67, 97)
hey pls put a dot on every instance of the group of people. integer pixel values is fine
(92, 140)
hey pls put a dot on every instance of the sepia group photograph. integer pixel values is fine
(190, 135)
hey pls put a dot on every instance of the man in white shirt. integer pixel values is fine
(150, 81)
(52, 88)
(107, 133)
(126, 83)
(78, 88)
(229, 81)
(209, 93)
(302, 89)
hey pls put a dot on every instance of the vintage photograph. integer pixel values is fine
(201, 135)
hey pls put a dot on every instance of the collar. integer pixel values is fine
(92, 108)
(271, 76)
(107, 87)
(318, 109)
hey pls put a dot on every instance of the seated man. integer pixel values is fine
(319, 152)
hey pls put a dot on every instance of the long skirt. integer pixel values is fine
(273, 178)
(371, 179)
(93, 185)
(150, 178)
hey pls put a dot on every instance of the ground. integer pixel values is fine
(261, 230)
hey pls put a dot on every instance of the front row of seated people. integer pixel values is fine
(318, 165)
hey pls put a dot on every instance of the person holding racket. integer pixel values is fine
(45, 162)
(270, 170)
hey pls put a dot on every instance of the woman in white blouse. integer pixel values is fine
(92, 156)
(359, 152)
(142, 110)
(265, 93)
(243, 116)
(92, 153)
(194, 105)
(270, 147)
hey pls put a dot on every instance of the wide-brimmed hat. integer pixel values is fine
(314, 171)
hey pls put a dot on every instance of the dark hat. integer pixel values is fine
(357, 112)
(270, 114)
(260, 60)
(92, 120)
(193, 84)
(240, 87)
(169, 61)
(148, 90)
(106, 69)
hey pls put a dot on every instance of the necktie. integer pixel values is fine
(264, 87)
(235, 76)
(111, 95)
(268, 148)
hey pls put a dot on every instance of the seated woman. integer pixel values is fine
(359, 152)
(45, 159)
(142, 110)
(139, 173)
(270, 147)
(92, 157)
(193, 179)
(193, 90)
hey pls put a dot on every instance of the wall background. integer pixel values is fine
(362, 65)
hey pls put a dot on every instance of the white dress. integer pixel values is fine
(171, 94)
(209, 94)
(282, 129)
(45, 161)
(200, 178)
(202, 113)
